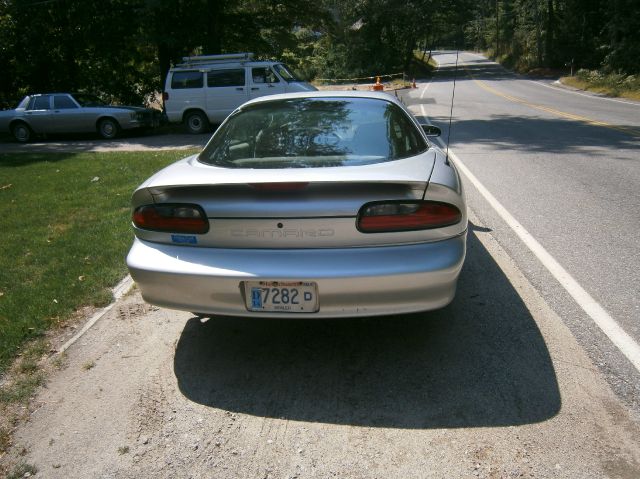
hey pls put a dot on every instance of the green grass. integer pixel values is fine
(422, 65)
(612, 84)
(22, 388)
(65, 231)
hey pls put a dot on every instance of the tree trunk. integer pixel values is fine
(497, 28)
(550, 39)
(538, 34)
(411, 43)
(213, 42)
(164, 62)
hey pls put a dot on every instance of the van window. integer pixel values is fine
(264, 75)
(188, 79)
(221, 78)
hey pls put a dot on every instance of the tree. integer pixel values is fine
(124, 48)
(622, 32)
(7, 57)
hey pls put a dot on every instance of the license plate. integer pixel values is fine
(281, 296)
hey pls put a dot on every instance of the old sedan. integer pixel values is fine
(323, 204)
(77, 113)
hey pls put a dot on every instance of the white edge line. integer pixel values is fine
(122, 288)
(623, 341)
(586, 95)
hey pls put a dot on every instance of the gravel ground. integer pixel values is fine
(493, 386)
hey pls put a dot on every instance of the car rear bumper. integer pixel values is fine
(149, 120)
(351, 281)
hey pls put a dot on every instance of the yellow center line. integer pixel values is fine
(564, 114)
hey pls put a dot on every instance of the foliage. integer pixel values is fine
(374, 37)
(559, 33)
(123, 49)
(68, 46)
(612, 84)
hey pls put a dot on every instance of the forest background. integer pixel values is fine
(122, 49)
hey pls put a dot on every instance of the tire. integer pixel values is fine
(21, 132)
(196, 122)
(108, 128)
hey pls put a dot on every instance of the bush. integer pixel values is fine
(614, 83)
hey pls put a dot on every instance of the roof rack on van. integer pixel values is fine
(207, 59)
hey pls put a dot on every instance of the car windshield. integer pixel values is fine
(285, 73)
(314, 132)
(86, 100)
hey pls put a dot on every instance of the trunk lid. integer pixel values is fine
(288, 208)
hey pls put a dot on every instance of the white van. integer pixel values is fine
(203, 90)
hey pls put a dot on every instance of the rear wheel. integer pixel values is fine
(196, 122)
(21, 132)
(108, 128)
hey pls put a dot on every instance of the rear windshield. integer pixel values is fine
(87, 100)
(314, 132)
(188, 79)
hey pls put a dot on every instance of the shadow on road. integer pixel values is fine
(518, 132)
(479, 362)
(538, 134)
(467, 70)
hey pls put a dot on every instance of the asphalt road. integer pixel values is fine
(566, 166)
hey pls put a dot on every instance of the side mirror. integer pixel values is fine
(431, 130)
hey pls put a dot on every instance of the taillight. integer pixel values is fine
(171, 218)
(387, 216)
(165, 96)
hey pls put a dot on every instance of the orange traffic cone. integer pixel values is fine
(378, 86)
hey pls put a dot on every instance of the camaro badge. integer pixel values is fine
(281, 233)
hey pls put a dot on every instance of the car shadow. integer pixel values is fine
(479, 362)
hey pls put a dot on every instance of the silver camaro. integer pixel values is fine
(320, 204)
